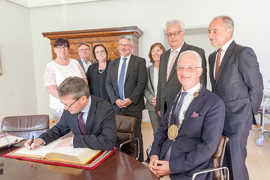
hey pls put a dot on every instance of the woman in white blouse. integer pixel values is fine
(151, 88)
(56, 72)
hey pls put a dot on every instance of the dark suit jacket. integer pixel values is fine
(97, 81)
(100, 127)
(81, 63)
(136, 79)
(239, 83)
(167, 88)
(198, 137)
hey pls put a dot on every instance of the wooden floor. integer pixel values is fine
(258, 159)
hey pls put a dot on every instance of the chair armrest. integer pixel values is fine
(136, 140)
(227, 175)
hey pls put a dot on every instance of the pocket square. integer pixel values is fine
(194, 115)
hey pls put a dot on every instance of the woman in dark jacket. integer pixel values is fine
(96, 74)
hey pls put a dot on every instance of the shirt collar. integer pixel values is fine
(196, 88)
(125, 57)
(87, 108)
(85, 61)
(178, 49)
(226, 45)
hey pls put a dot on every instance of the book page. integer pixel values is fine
(6, 140)
(60, 150)
(41, 151)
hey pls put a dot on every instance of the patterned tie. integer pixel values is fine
(217, 62)
(121, 81)
(174, 54)
(81, 123)
(178, 107)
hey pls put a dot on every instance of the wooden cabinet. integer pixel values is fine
(107, 36)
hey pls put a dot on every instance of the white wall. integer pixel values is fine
(251, 26)
(17, 84)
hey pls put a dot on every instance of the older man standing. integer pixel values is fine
(125, 83)
(235, 77)
(168, 83)
(191, 128)
(84, 53)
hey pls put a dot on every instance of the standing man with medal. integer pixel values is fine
(191, 128)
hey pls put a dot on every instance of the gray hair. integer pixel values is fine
(198, 57)
(75, 86)
(130, 39)
(228, 22)
(175, 21)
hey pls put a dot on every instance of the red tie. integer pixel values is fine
(217, 62)
(81, 123)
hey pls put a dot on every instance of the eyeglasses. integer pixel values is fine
(100, 52)
(84, 49)
(124, 45)
(187, 68)
(173, 33)
(61, 47)
(69, 106)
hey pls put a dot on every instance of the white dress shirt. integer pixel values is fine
(171, 56)
(187, 101)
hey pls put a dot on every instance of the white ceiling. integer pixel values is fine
(41, 3)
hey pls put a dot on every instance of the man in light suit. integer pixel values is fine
(84, 53)
(89, 118)
(235, 77)
(125, 83)
(191, 128)
(168, 83)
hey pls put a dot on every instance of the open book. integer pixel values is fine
(56, 152)
(8, 140)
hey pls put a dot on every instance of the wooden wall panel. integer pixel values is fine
(107, 36)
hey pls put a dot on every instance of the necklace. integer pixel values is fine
(174, 128)
(100, 71)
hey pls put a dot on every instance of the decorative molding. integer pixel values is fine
(43, 3)
(109, 37)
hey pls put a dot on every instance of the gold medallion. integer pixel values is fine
(173, 132)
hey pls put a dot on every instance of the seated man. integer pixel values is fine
(191, 128)
(91, 119)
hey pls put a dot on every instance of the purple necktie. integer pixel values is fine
(178, 107)
(81, 123)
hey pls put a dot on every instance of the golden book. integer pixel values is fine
(58, 151)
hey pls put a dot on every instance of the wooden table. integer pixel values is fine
(117, 167)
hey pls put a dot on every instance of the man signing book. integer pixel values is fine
(91, 119)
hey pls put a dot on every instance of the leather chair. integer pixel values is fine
(25, 126)
(219, 171)
(126, 141)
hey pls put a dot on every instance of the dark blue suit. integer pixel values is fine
(100, 127)
(197, 139)
(239, 83)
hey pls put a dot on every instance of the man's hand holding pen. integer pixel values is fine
(33, 143)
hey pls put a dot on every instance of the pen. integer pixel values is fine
(31, 142)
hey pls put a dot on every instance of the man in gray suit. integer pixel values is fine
(168, 83)
(125, 83)
(84, 53)
(235, 77)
